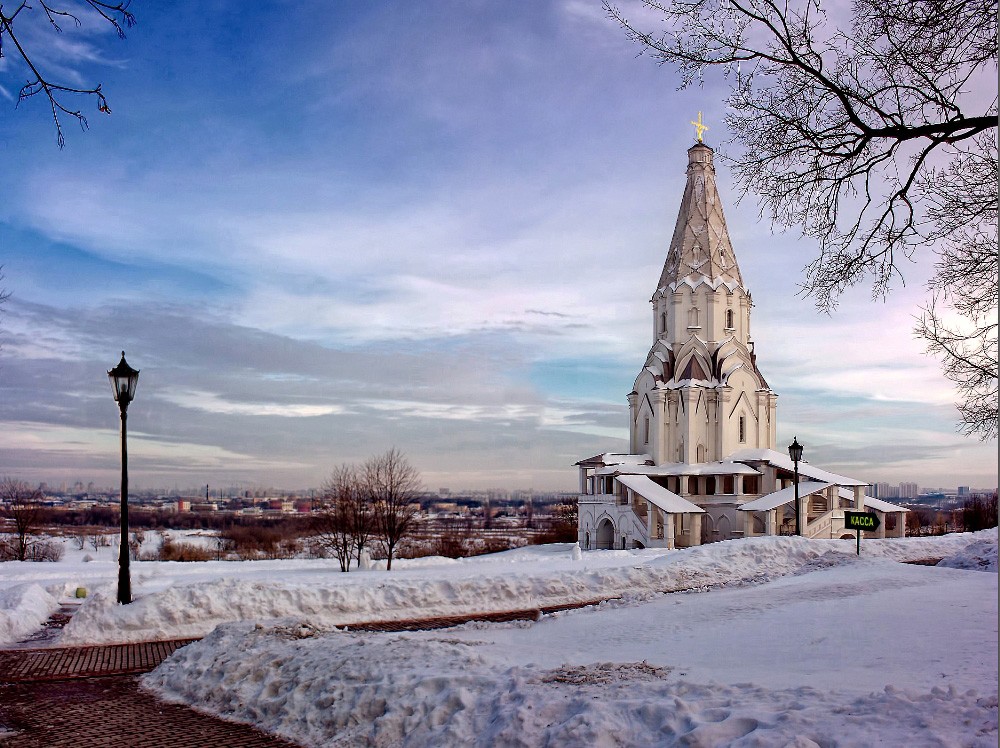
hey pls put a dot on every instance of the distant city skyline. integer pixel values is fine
(323, 231)
(223, 491)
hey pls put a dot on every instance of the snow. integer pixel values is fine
(777, 641)
(980, 555)
(656, 494)
(180, 600)
(783, 496)
(23, 609)
(877, 504)
(785, 462)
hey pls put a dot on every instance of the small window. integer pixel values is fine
(730, 320)
(743, 429)
(663, 321)
(693, 317)
(645, 430)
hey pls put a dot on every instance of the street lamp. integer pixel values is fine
(795, 452)
(123, 381)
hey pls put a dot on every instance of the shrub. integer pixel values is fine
(171, 550)
(45, 550)
(36, 550)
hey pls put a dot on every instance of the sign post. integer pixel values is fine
(861, 522)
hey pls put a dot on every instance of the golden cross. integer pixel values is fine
(699, 127)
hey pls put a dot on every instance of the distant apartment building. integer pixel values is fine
(886, 491)
(908, 490)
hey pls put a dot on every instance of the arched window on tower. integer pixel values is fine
(701, 453)
(663, 322)
(645, 430)
(693, 317)
(730, 320)
(743, 429)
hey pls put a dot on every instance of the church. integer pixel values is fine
(702, 463)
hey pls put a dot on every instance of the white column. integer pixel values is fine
(668, 529)
(695, 529)
(859, 498)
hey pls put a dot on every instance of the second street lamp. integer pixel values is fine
(795, 452)
(123, 382)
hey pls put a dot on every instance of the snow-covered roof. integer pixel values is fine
(776, 499)
(882, 506)
(616, 458)
(680, 468)
(873, 503)
(785, 462)
(657, 495)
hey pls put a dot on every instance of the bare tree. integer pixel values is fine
(393, 486)
(22, 505)
(333, 522)
(979, 513)
(963, 212)
(22, 17)
(845, 132)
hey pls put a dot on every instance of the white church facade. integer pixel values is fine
(702, 463)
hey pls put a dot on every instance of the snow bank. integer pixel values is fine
(319, 689)
(194, 610)
(525, 578)
(917, 549)
(23, 610)
(980, 555)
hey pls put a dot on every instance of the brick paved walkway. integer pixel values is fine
(23, 665)
(101, 712)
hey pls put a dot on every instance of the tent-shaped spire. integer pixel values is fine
(700, 246)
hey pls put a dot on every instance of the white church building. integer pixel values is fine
(702, 463)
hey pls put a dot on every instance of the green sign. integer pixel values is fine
(868, 521)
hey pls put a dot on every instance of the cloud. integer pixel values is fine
(430, 225)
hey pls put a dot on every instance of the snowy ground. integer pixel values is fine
(798, 643)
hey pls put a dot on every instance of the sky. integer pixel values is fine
(321, 230)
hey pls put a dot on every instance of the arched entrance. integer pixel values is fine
(605, 535)
(707, 527)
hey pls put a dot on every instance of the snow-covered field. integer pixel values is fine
(795, 642)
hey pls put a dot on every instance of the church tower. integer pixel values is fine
(700, 396)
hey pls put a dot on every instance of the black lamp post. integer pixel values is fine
(123, 381)
(795, 452)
